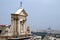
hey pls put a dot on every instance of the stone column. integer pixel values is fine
(24, 26)
(14, 25)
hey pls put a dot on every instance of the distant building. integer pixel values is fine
(46, 36)
(3, 27)
(37, 37)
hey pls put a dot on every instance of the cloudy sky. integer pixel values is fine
(41, 13)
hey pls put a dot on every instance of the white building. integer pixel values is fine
(35, 37)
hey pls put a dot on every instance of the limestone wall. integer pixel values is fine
(3, 39)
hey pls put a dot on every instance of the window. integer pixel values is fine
(0, 31)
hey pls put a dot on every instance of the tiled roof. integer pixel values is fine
(4, 25)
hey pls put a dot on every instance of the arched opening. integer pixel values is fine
(0, 31)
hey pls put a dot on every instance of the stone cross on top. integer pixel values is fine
(21, 4)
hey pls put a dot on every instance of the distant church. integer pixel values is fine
(18, 28)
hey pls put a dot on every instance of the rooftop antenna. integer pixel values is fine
(21, 4)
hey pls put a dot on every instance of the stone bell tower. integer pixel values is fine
(22, 15)
(18, 28)
(18, 23)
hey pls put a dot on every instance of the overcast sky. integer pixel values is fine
(41, 13)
